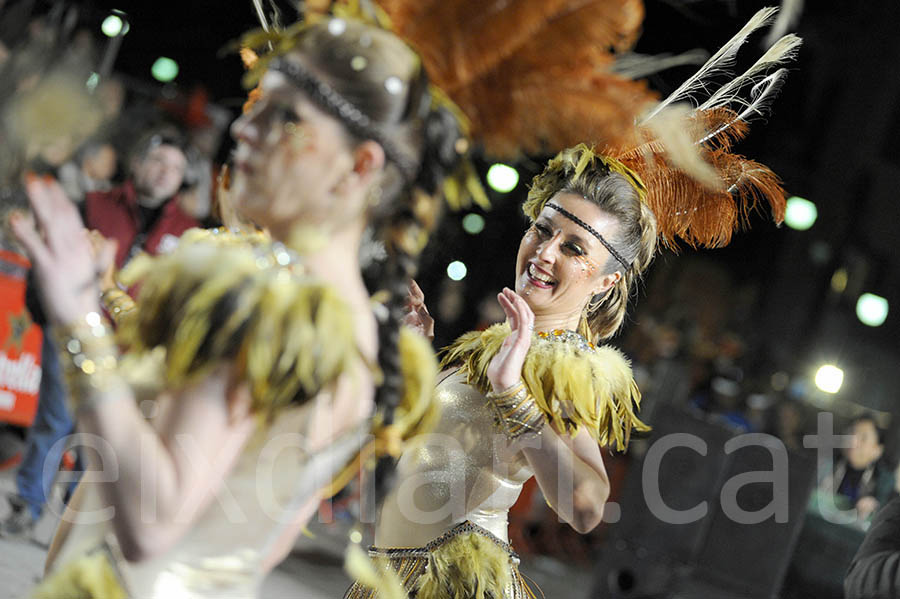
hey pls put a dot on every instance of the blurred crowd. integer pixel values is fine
(140, 165)
(113, 151)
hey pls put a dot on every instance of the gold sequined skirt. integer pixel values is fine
(466, 562)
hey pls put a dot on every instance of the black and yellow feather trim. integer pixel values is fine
(575, 384)
(224, 296)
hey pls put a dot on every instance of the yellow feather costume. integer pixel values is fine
(574, 383)
(245, 299)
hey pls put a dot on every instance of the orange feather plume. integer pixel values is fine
(531, 75)
(698, 214)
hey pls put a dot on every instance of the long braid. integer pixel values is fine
(400, 268)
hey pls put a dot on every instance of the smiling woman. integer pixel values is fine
(591, 237)
(553, 396)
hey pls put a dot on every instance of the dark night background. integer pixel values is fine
(832, 137)
(772, 306)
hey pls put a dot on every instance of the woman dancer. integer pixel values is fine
(551, 392)
(535, 396)
(268, 367)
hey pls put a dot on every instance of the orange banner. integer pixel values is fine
(20, 345)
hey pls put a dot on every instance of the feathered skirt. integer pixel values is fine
(466, 562)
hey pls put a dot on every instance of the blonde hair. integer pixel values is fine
(618, 191)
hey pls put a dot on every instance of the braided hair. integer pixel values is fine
(376, 86)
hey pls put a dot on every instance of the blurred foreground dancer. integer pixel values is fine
(535, 397)
(266, 358)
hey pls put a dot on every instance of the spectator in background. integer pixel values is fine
(92, 169)
(141, 215)
(789, 423)
(861, 479)
(144, 214)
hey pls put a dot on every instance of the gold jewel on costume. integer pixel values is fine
(575, 384)
(117, 303)
(517, 412)
(90, 358)
(466, 561)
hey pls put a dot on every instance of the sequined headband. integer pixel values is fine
(359, 123)
(590, 230)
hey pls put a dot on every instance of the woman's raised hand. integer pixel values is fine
(60, 251)
(417, 316)
(505, 368)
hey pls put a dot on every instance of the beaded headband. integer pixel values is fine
(590, 230)
(358, 122)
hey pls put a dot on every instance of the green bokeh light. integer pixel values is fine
(112, 25)
(473, 224)
(800, 214)
(164, 69)
(502, 177)
(871, 309)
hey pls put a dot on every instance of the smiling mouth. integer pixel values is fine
(539, 279)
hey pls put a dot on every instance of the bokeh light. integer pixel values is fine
(456, 270)
(829, 378)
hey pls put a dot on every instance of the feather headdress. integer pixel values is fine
(698, 188)
(531, 75)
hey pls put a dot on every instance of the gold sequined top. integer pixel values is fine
(463, 470)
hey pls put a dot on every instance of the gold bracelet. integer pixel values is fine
(517, 412)
(89, 357)
(117, 304)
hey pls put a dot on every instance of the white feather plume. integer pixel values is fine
(788, 15)
(782, 50)
(637, 66)
(761, 96)
(718, 64)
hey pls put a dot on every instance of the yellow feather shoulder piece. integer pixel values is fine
(242, 298)
(574, 383)
(87, 577)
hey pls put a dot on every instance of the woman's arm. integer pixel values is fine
(156, 480)
(571, 475)
(164, 478)
(569, 471)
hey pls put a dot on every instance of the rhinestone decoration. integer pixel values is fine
(570, 337)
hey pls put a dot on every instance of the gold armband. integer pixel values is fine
(89, 357)
(517, 412)
(117, 303)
